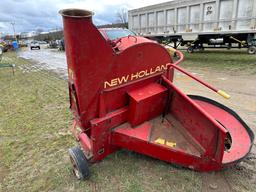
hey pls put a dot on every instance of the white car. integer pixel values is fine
(34, 45)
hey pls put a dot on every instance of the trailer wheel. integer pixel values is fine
(252, 50)
(79, 163)
(201, 48)
(190, 50)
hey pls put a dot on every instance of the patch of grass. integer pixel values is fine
(34, 138)
(34, 125)
(227, 60)
(34, 135)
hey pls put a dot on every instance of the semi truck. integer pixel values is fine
(198, 24)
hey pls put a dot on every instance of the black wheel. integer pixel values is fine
(31, 48)
(79, 163)
(229, 46)
(201, 48)
(190, 50)
(252, 50)
(39, 48)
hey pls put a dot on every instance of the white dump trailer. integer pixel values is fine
(217, 23)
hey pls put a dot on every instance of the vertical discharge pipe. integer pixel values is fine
(88, 55)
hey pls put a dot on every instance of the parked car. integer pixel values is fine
(61, 45)
(22, 44)
(42, 42)
(53, 44)
(34, 45)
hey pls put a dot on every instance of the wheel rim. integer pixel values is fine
(252, 50)
(75, 169)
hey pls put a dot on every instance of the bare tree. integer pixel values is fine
(122, 16)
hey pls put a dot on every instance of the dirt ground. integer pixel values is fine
(242, 89)
(35, 122)
(240, 83)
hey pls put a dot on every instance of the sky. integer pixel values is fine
(31, 15)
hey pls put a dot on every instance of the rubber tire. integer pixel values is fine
(38, 48)
(79, 162)
(190, 50)
(201, 48)
(251, 50)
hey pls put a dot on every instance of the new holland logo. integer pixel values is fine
(134, 76)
